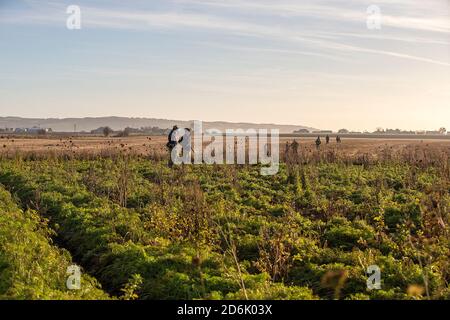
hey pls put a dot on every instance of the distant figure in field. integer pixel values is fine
(318, 143)
(338, 139)
(327, 139)
(286, 149)
(180, 139)
(172, 143)
(186, 141)
(295, 146)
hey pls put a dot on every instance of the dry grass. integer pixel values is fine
(351, 151)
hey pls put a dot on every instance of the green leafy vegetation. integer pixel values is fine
(30, 266)
(145, 231)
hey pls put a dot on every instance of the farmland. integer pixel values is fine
(142, 230)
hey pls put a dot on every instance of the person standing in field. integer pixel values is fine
(294, 147)
(186, 142)
(179, 139)
(172, 143)
(327, 139)
(318, 143)
(338, 139)
(286, 150)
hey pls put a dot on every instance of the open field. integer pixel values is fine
(142, 230)
(146, 144)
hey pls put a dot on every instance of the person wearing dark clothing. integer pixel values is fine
(286, 150)
(172, 143)
(172, 140)
(294, 147)
(338, 139)
(318, 142)
(327, 139)
(179, 138)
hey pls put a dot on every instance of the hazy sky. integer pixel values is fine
(307, 62)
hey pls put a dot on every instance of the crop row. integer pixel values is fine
(31, 267)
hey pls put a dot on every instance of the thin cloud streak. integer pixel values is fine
(328, 12)
(115, 19)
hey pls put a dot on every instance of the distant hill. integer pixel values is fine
(120, 123)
